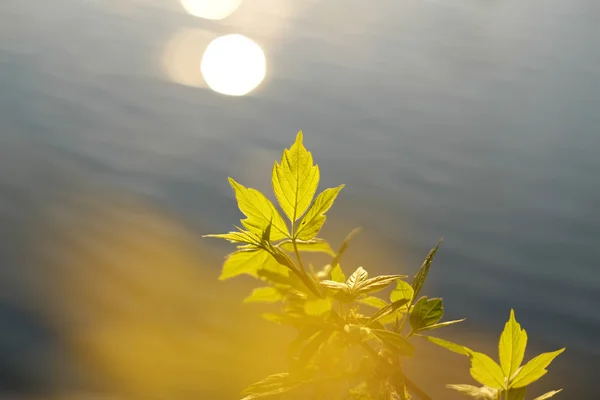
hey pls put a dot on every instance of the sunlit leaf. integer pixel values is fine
(337, 275)
(313, 346)
(512, 345)
(534, 369)
(314, 245)
(403, 290)
(267, 294)
(482, 393)
(426, 312)
(456, 348)
(311, 223)
(252, 240)
(388, 309)
(377, 283)
(245, 262)
(318, 306)
(419, 279)
(373, 302)
(259, 210)
(548, 395)
(440, 325)
(334, 285)
(485, 370)
(295, 180)
(394, 341)
(357, 278)
(344, 247)
(271, 385)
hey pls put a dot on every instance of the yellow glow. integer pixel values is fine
(233, 65)
(211, 9)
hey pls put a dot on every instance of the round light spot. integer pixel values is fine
(233, 65)
(211, 9)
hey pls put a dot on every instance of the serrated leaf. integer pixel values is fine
(334, 285)
(511, 347)
(311, 223)
(314, 245)
(337, 275)
(483, 393)
(295, 180)
(403, 290)
(426, 312)
(271, 385)
(250, 239)
(318, 306)
(377, 283)
(259, 211)
(534, 369)
(548, 395)
(394, 341)
(373, 302)
(267, 294)
(485, 370)
(456, 348)
(388, 309)
(247, 262)
(419, 279)
(357, 278)
(441, 325)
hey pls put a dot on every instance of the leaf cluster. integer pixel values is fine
(351, 341)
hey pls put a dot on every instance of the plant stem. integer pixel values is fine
(298, 255)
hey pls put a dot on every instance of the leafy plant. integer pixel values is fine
(347, 336)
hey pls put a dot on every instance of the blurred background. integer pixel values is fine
(120, 121)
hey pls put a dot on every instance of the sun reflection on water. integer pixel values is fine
(211, 9)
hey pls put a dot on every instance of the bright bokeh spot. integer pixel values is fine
(233, 65)
(211, 9)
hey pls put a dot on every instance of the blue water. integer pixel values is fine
(475, 120)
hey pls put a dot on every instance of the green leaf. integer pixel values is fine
(271, 385)
(373, 302)
(259, 210)
(403, 290)
(394, 341)
(357, 278)
(456, 348)
(377, 283)
(246, 262)
(485, 370)
(483, 393)
(313, 346)
(388, 309)
(314, 245)
(344, 247)
(337, 275)
(534, 369)
(548, 395)
(515, 394)
(419, 279)
(512, 345)
(251, 239)
(334, 285)
(311, 223)
(267, 294)
(425, 313)
(295, 180)
(318, 306)
(441, 325)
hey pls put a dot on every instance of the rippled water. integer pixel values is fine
(475, 120)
